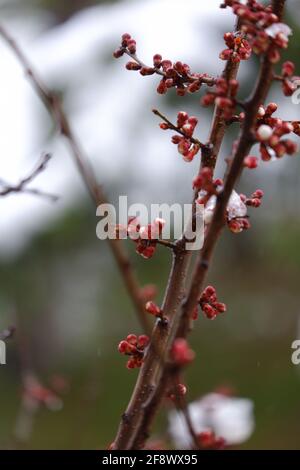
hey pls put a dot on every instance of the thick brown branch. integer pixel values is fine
(133, 431)
(153, 378)
(245, 143)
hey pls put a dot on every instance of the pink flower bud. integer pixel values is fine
(131, 45)
(182, 117)
(221, 307)
(209, 311)
(181, 352)
(288, 69)
(157, 58)
(147, 71)
(143, 341)
(118, 53)
(133, 66)
(162, 88)
(132, 339)
(251, 162)
(153, 309)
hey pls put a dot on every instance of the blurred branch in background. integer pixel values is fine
(21, 187)
(54, 106)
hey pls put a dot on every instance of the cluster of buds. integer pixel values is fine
(236, 211)
(224, 96)
(254, 200)
(289, 81)
(128, 45)
(238, 224)
(134, 346)
(238, 48)
(209, 304)
(204, 182)
(178, 75)
(271, 143)
(174, 74)
(265, 33)
(187, 145)
(181, 353)
(177, 391)
(144, 236)
(209, 441)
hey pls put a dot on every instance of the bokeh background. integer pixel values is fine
(58, 282)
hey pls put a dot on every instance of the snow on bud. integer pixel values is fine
(264, 132)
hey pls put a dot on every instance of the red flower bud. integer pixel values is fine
(143, 341)
(153, 309)
(157, 58)
(181, 352)
(131, 45)
(147, 71)
(118, 53)
(251, 162)
(133, 66)
(132, 339)
(162, 88)
(209, 311)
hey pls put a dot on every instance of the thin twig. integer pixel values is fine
(176, 128)
(55, 108)
(205, 79)
(21, 187)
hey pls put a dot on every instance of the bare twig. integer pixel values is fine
(55, 108)
(22, 186)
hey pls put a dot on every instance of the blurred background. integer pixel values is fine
(58, 283)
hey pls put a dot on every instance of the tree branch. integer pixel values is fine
(153, 378)
(21, 187)
(55, 108)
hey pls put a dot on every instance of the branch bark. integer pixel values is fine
(153, 378)
(152, 381)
